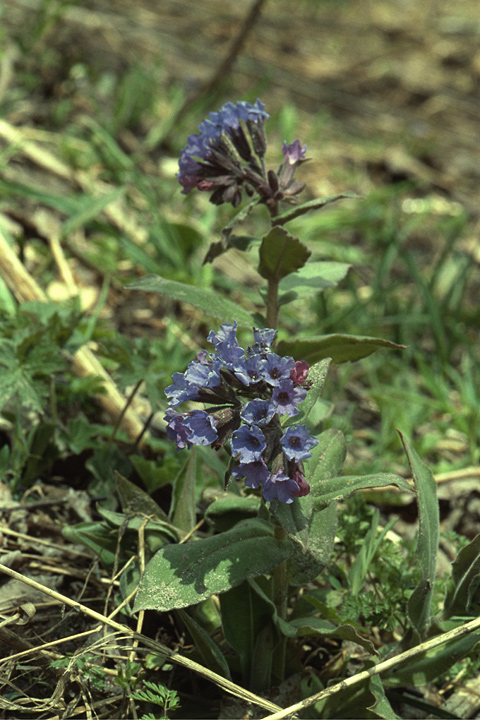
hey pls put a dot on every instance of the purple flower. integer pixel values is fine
(257, 412)
(193, 428)
(303, 486)
(229, 351)
(300, 372)
(286, 397)
(293, 153)
(264, 338)
(248, 443)
(201, 428)
(274, 368)
(176, 430)
(296, 443)
(220, 158)
(255, 473)
(203, 373)
(280, 486)
(180, 390)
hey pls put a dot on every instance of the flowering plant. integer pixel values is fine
(273, 524)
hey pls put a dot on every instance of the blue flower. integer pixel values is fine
(220, 158)
(264, 339)
(255, 473)
(248, 444)
(180, 390)
(296, 443)
(194, 428)
(286, 397)
(280, 486)
(257, 412)
(293, 153)
(274, 368)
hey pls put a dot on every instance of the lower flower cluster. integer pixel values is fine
(246, 392)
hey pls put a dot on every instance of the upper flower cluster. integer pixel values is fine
(247, 392)
(228, 156)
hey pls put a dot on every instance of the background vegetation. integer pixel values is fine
(96, 101)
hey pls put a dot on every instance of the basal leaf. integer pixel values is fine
(427, 545)
(185, 574)
(134, 499)
(464, 583)
(210, 302)
(206, 646)
(341, 348)
(281, 254)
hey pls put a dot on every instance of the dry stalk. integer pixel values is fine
(147, 642)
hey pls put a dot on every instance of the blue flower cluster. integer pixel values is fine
(227, 156)
(220, 157)
(247, 392)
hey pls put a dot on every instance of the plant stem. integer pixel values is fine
(280, 599)
(272, 303)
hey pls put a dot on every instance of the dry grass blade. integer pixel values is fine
(464, 629)
(84, 362)
(218, 680)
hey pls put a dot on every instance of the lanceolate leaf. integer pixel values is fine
(339, 488)
(281, 254)
(341, 348)
(427, 546)
(463, 587)
(185, 574)
(206, 646)
(316, 204)
(211, 302)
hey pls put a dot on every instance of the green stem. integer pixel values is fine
(272, 303)
(280, 599)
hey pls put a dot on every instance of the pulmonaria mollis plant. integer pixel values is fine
(247, 393)
(228, 156)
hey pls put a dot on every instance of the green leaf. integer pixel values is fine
(317, 375)
(183, 508)
(245, 610)
(316, 204)
(206, 647)
(463, 586)
(134, 499)
(427, 546)
(381, 708)
(185, 574)
(341, 348)
(327, 458)
(231, 509)
(312, 279)
(305, 626)
(305, 565)
(281, 254)
(97, 537)
(425, 667)
(368, 549)
(210, 302)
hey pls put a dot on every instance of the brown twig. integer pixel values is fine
(227, 63)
